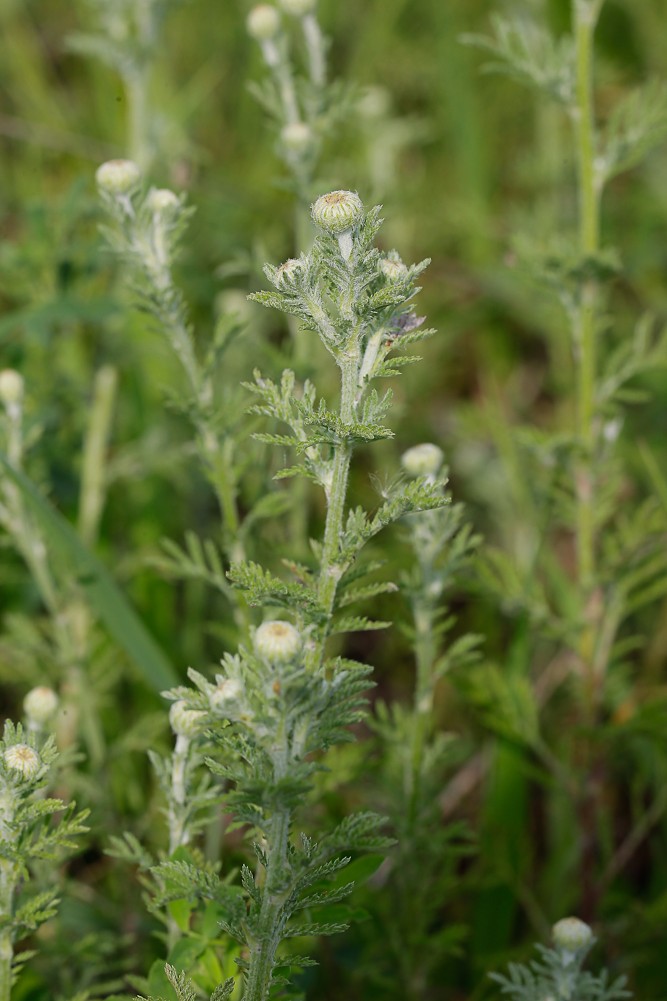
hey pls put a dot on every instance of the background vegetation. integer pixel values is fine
(538, 808)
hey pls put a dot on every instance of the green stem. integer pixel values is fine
(93, 484)
(270, 924)
(425, 653)
(330, 569)
(136, 87)
(271, 921)
(316, 52)
(589, 245)
(7, 888)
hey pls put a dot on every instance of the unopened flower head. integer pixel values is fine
(571, 934)
(288, 271)
(298, 8)
(227, 691)
(23, 759)
(338, 211)
(422, 460)
(277, 641)
(40, 704)
(393, 269)
(185, 722)
(263, 22)
(11, 387)
(162, 200)
(297, 137)
(118, 177)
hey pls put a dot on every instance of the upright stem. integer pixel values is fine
(315, 46)
(330, 569)
(92, 474)
(8, 877)
(425, 652)
(270, 922)
(585, 17)
(589, 245)
(136, 87)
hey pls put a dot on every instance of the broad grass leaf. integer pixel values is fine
(98, 586)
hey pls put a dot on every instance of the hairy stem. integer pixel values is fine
(585, 16)
(92, 473)
(271, 920)
(589, 245)
(7, 887)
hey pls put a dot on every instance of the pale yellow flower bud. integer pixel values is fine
(422, 460)
(288, 271)
(11, 387)
(226, 692)
(185, 722)
(161, 200)
(118, 177)
(22, 759)
(571, 934)
(338, 211)
(263, 22)
(392, 269)
(40, 705)
(277, 641)
(297, 137)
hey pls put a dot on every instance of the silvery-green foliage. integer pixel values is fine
(417, 758)
(303, 107)
(283, 699)
(28, 835)
(128, 41)
(558, 975)
(574, 478)
(147, 228)
(527, 52)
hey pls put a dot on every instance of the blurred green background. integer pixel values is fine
(461, 161)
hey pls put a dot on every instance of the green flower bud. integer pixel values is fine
(394, 270)
(162, 200)
(226, 692)
(11, 387)
(23, 759)
(118, 177)
(298, 8)
(422, 460)
(277, 641)
(288, 271)
(40, 705)
(571, 935)
(263, 22)
(185, 722)
(297, 138)
(338, 211)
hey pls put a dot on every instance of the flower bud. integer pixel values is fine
(277, 641)
(263, 22)
(11, 387)
(161, 200)
(288, 271)
(298, 8)
(571, 935)
(297, 138)
(227, 691)
(422, 460)
(185, 722)
(22, 759)
(393, 270)
(338, 211)
(118, 177)
(40, 704)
